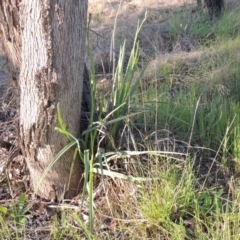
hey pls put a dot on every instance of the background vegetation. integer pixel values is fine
(162, 151)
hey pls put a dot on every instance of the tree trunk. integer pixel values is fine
(44, 42)
(214, 7)
(200, 3)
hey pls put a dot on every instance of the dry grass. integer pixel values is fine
(194, 192)
(154, 37)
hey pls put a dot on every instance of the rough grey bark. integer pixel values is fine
(10, 36)
(44, 41)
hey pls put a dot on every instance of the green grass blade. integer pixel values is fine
(64, 150)
(86, 175)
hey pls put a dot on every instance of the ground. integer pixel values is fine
(108, 20)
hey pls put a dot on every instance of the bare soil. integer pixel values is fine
(118, 20)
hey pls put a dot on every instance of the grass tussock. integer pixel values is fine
(162, 158)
